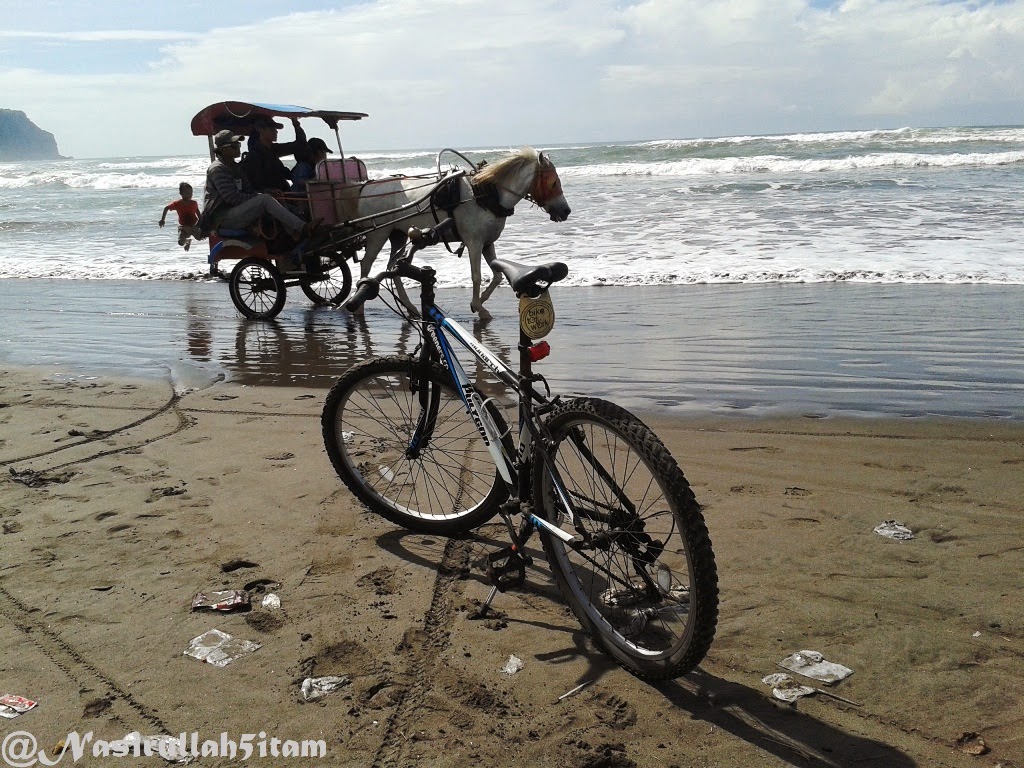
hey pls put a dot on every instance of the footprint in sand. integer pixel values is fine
(234, 565)
(158, 493)
(615, 711)
(96, 707)
(12, 527)
(280, 457)
(747, 489)
(225, 397)
(382, 581)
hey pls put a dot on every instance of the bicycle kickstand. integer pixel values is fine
(506, 568)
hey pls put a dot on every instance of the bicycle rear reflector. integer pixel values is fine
(539, 351)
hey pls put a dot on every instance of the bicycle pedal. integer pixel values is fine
(506, 569)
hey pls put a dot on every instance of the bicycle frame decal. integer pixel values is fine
(495, 365)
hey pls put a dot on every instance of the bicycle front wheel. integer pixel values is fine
(645, 587)
(448, 484)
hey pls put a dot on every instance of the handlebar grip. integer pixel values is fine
(367, 289)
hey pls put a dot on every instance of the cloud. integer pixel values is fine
(468, 72)
(96, 36)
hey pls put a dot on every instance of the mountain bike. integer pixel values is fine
(421, 444)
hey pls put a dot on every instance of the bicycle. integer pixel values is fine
(418, 442)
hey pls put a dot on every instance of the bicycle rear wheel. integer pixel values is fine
(449, 486)
(647, 588)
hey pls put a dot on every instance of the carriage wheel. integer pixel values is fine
(333, 283)
(257, 289)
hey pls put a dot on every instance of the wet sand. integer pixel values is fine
(747, 350)
(124, 496)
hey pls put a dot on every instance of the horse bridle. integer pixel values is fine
(545, 188)
(546, 185)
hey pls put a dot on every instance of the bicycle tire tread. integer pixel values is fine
(690, 515)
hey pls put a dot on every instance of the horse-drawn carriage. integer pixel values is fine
(354, 212)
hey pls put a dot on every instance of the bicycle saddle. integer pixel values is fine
(524, 278)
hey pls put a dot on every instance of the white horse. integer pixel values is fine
(482, 203)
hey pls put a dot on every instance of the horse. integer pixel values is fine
(479, 202)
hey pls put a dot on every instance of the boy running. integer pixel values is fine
(188, 214)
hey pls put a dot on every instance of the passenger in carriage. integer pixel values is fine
(230, 202)
(305, 169)
(262, 161)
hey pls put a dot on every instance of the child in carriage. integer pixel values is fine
(188, 214)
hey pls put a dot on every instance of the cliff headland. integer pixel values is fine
(21, 139)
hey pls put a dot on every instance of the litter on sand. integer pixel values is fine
(171, 749)
(971, 743)
(813, 665)
(894, 530)
(11, 706)
(787, 689)
(513, 665)
(225, 600)
(314, 688)
(271, 602)
(219, 648)
(574, 691)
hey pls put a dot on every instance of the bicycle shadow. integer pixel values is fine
(425, 549)
(781, 730)
(749, 714)
(746, 713)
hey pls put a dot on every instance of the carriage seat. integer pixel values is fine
(334, 193)
(242, 238)
(351, 169)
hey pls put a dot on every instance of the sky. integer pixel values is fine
(113, 78)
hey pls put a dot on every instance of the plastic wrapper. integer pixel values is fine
(813, 665)
(12, 706)
(219, 648)
(225, 600)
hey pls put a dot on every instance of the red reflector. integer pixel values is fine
(539, 351)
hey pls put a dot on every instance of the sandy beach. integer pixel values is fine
(122, 496)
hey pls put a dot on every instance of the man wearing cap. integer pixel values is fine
(305, 169)
(229, 201)
(262, 162)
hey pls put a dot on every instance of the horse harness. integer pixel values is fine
(447, 196)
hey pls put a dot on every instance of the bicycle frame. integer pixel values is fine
(437, 328)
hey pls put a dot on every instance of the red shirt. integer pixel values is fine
(188, 212)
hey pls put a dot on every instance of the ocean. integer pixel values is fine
(931, 205)
(862, 273)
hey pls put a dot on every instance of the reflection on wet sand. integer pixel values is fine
(317, 350)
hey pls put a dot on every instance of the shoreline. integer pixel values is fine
(145, 497)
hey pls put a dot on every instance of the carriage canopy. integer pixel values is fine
(239, 116)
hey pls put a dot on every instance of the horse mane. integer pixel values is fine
(507, 166)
